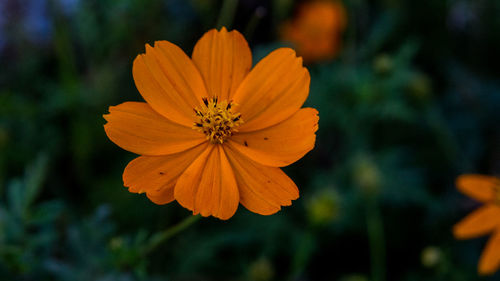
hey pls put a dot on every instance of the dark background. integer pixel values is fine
(411, 102)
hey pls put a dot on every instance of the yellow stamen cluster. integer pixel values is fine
(216, 120)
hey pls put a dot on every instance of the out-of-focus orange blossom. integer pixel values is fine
(316, 30)
(485, 220)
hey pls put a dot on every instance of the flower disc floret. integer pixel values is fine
(216, 120)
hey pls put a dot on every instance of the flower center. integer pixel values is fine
(216, 120)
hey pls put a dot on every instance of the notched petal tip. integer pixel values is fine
(158, 42)
(163, 43)
(314, 112)
(223, 218)
(271, 210)
(292, 52)
(106, 117)
(132, 190)
(223, 29)
(224, 59)
(146, 47)
(150, 49)
(135, 62)
(208, 187)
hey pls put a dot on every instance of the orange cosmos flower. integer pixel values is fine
(213, 133)
(485, 220)
(316, 30)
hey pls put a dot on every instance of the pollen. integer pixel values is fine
(216, 120)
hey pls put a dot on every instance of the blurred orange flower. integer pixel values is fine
(213, 133)
(316, 30)
(485, 220)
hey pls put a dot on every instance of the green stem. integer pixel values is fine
(303, 254)
(259, 13)
(443, 134)
(163, 236)
(376, 238)
(227, 13)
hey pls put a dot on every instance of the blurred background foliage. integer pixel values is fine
(410, 100)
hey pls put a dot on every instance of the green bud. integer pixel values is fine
(261, 270)
(420, 88)
(323, 207)
(366, 174)
(430, 256)
(383, 64)
(116, 243)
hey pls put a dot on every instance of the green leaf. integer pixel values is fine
(47, 212)
(33, 179)
(15, 190)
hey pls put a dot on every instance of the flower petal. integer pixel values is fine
(480, 222)
(273, 90)
(208, 186)
(263, 190)
(479, 187)
(162, 196)
(169, 82)
(224, 59)
(490, 259)
(152, 174)
(281, 144)
(136, 127)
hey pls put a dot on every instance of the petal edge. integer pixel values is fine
(223, 59)
(273, 91)
(282, 144)
(263, 190)
(169, 82)
(208, 187)
(136, 127)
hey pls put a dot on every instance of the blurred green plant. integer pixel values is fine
(40, 239)
(411, 102)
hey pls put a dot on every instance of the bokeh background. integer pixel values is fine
(408, 95)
